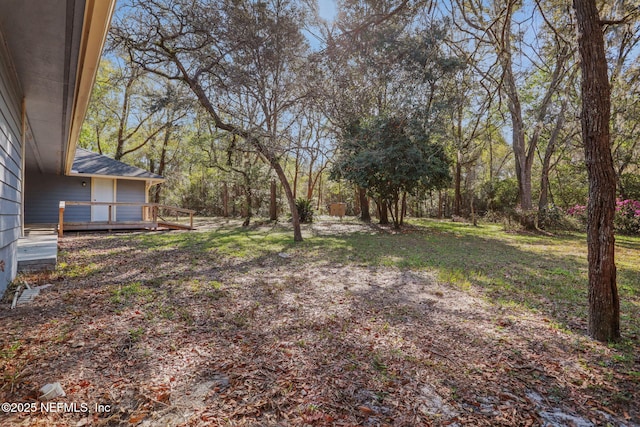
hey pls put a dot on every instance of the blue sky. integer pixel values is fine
(327, 9)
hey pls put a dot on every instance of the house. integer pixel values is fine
(49, 54)
(93, 178)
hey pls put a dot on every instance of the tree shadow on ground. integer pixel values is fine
(357, 328)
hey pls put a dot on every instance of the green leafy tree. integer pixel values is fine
(382, 59)
(391, 157)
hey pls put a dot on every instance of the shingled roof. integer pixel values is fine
(93, 164)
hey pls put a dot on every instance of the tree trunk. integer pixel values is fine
(248, 197)
(365, 215)
(295, 219)
(225, 199)
(604, 304)
(523, 165)
(356, 201)
(156, 193)
(124, 116)
(163, 160)
(457, 203)
(296, 172)
(543, 201)
(383, 212)
(234, 207)
(524, 155)
(523, 172)
(98, 140)
(403, 209)
(319, 205)
(311, 182)
(473, 211)
(395, 213)
(490, 160)
(273, 207)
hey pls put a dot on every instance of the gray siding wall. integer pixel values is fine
(43, 194)
(130, 191)
(10, 170)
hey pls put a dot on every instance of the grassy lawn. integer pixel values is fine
(358, 325)
(541, 273)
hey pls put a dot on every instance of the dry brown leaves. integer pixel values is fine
(204, 340)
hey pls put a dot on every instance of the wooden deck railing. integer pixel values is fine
(152, 216)
(160, 209)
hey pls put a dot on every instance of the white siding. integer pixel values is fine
(10, 169)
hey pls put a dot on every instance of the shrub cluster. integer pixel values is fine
(579, 212)
(555, 218)
(305, 210)
(627, 218)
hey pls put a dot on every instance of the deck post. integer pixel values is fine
(154, 211)
(61, 218)
(109, 221)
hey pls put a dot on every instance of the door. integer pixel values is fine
(102, 190)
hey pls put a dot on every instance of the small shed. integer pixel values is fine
(94, 178)
(338, 209)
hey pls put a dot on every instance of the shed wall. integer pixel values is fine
(43, 194)
(130, 191)
(10, 169)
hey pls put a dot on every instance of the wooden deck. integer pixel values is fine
(155, 217)
(105, 225)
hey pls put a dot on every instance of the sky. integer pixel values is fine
(327, 9)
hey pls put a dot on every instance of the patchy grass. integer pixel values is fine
(129, 294)
(538, 272)
(358, 325)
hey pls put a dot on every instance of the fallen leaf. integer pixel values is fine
(366, 410)
(136, 418)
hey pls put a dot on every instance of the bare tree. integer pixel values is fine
(243, 61)
(490, 25)
(236, 160)
(622, 41)
(314, 145)
(173, 107)
(124, 116)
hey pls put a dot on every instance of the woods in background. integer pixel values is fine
(225, 100)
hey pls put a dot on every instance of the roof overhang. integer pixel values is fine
(150, 181)
(55, 47)
(95, 165)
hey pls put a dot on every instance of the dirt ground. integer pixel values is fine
(179, 337)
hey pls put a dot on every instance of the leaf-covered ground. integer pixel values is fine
(441, 324)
